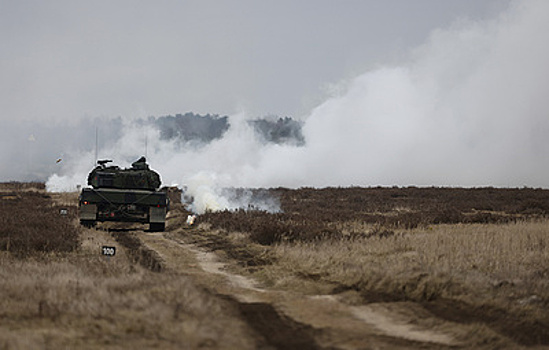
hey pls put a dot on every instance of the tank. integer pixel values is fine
(124, 195)
(138, 177)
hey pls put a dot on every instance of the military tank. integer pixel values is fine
(124, 194)
(139, 176)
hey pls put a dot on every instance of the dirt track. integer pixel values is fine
(290, 319)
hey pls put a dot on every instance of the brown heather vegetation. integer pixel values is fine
(468, 255)
(310, 214)
(22, 186)
(474, 257)
(31, 223)
(58, 292)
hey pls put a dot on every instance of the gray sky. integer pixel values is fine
(392, 92)
(73, 59)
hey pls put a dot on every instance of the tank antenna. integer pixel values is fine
(96, 132)
(146, 142)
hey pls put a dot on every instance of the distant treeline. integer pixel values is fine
(206, 128)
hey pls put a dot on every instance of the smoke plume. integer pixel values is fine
(468, 108)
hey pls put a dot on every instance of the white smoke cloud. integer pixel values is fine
(469, 108)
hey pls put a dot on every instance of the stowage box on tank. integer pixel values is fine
(139, 176)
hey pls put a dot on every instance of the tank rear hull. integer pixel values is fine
(123, 205)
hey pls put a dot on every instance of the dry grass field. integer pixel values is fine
(427, 268)
(58, 291)
(467, 255)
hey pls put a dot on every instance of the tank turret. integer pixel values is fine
(139, 176)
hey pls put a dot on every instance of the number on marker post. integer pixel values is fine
(108, 251)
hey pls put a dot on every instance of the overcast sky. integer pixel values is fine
(72, 59)
(392, 92)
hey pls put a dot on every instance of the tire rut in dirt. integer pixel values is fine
(519, 328)
(137, 252)
(240, 254)
(278, 330)
(524, 331)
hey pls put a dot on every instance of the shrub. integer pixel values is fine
(310, 214)
(30, 223)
